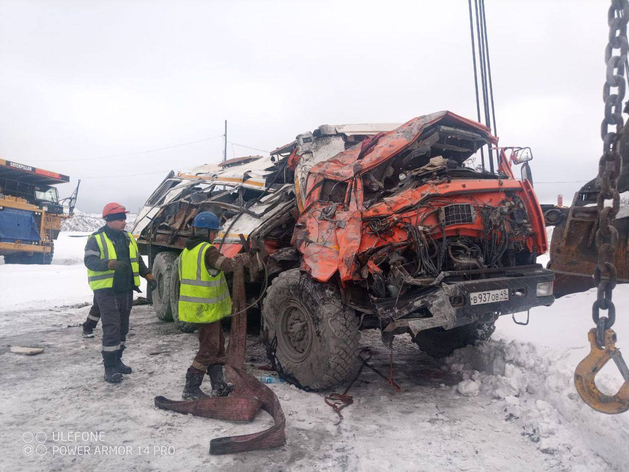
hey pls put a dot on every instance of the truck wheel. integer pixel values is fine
(438, 342)
(165, 273)
(43, 258)
(46, 259)
(174, 308)
(18, 258)
(310, 336)
(23, 258)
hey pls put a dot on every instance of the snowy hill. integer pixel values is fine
(90, 222)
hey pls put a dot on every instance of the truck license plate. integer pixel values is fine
(489, 296)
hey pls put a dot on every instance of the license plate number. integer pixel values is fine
(489, 296)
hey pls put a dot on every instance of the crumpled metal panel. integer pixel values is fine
(315, 238)
(330, 243)
(349, 163)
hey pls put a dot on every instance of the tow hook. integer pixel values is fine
(589, 367)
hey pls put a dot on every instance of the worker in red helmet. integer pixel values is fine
(114, 268)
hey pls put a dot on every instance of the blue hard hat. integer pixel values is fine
(207, 220)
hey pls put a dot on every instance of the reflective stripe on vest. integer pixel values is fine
(203, 298)
(99, 280)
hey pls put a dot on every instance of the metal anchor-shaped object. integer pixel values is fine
(589, 367)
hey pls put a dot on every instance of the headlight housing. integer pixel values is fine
(544, 289)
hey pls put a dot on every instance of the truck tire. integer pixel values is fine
(438, 342)
(165, 272)
(310, 336)
(43, 258)
(23, 258)
(17, 258)
(46, 259)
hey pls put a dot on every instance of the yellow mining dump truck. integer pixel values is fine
(31, 213)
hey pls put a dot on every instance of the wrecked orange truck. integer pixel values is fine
(378, 226)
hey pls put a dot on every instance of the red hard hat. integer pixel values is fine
(113, 208)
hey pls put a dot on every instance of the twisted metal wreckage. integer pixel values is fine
(367, 227)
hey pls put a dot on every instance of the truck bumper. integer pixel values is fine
(447, 303)
(12, 248)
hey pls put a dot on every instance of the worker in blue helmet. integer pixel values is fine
(204, 300)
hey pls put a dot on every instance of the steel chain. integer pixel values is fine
(609, 166)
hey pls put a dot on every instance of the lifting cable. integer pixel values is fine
(480, 48)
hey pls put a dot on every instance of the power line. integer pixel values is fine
(124, 175)
(130, 153)
(161, 171)
(563, 182)
(248, 147)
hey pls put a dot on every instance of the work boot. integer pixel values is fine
(192, 390)
(120, 367)
(111, 374)
(88, 332)
(220, 388)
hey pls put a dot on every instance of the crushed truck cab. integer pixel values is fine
(382, 226)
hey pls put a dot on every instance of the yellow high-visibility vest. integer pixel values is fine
(99, 280)
(203, 298)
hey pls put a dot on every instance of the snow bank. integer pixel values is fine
(529, 369)
(534, 386)
(90, 222)
(37, 287)
(84, 222)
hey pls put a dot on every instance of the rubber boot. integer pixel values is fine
(88, 328)
(220, 388)
(111, 374)
(192, 390)
(90, 323)
(120, 367)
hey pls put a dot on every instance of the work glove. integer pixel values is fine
(254, 246)
(118, 266)
(151, 282)
(245, 243)
(257, 247)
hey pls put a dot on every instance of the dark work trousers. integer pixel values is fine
(93, 316)
(115, 309)
(211, 346)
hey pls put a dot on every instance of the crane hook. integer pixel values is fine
(592, 364)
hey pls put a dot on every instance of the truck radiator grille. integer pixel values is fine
(457, 214)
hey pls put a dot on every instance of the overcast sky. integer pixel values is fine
(85, 79)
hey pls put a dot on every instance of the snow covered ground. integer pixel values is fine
(507, 405)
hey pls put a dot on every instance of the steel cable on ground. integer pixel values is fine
(339, 401)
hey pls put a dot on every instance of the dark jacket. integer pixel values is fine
(215, 260)
(123, 280)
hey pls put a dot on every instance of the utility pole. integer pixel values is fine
(225, 150)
